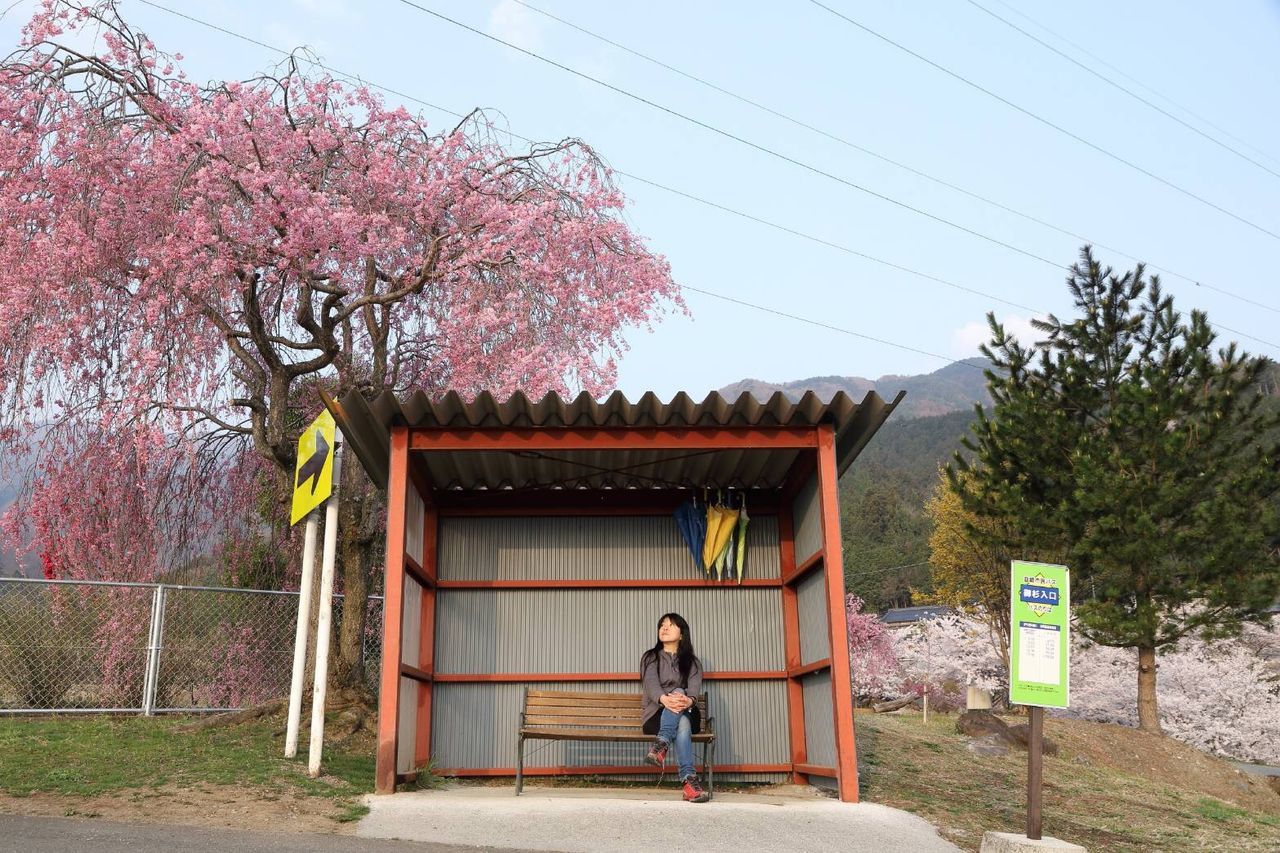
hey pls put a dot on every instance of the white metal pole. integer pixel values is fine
(325, 619)
(153, 652)
(300, 636)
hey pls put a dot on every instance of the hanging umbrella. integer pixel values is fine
(715, 520)
(743, 519)
(692, 525)
(728, 519)
(731, 551)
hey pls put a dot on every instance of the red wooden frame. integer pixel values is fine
(392, 610)
(615, 438)
(531, 677)
(603, 770)
(817, 454)
(833, 568)
(613, 583)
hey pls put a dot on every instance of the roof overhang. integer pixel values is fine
(500, 465)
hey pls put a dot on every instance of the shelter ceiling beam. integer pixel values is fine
(584, 502)
(620, 438)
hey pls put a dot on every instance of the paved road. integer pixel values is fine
(1258, 769)
(57, 835)
(640, 821)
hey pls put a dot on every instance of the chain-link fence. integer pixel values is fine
(83, 646)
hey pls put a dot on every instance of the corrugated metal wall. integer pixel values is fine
(807, 513)
(407, 729)
(415, 512)
(596, 631)
(481, 549)
(811, 597)
(819, 722)
(474, 725)
(585, 630)
(411, 628)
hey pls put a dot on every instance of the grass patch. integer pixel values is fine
(1107, 789)
(87, 756)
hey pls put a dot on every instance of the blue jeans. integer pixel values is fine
(676, 730)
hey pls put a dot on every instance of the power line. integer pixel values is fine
(739, 139)
(1046, 122)
(1137, 82)
(711, 293)
(846, 249)
(881, 157)
(1124, 89)
(849, 250)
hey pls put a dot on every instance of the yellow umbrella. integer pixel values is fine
(715, 519)
(724, 538)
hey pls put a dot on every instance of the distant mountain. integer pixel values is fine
(953, 388)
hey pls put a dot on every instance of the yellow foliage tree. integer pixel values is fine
(968, 569)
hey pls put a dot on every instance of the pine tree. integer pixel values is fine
(1125, 442)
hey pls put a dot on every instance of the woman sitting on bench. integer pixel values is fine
(672, 679)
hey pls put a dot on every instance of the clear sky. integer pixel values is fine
(1218, 60)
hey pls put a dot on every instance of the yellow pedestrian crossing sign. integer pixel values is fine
(313, 478)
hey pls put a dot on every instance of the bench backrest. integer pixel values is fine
(564, 708)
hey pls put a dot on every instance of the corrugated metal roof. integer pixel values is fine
(367, 424)
(914, 614)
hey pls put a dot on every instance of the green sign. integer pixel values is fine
(1040, 660)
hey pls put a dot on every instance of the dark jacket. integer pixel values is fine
(662, 676)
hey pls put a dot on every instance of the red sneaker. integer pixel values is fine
(694, 792)
(657, 754)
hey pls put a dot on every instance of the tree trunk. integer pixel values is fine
(1148, 711)
(354, 550)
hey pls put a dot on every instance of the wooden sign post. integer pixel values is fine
(1039, 662)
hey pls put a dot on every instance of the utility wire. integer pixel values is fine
(809, 321)
(1103, 62)
(881, 157)
(1042, 120)
(739, 139)
(1104, 78)
(734, 300)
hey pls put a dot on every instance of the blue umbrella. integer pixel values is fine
(692, 524)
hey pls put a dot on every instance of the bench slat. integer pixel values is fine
(586, 700)
(579, 694)
(600, 734)
(585, 706)
(592, 721)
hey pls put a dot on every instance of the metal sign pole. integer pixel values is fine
(325, 620)
(300, 636)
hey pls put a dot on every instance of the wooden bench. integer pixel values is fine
(613, 717)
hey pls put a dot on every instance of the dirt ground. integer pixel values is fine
(1163, 760)
(209, 806)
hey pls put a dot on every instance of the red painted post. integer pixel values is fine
(833, 566)
(392, 615)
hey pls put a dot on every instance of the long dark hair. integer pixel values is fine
(685, 657)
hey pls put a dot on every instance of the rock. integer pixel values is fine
(1022, 732)
(982, 724)
(976, 723)
(992, 744)
(1273, 782)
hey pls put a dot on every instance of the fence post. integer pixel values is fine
(153, 653)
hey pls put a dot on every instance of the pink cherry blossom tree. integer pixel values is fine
(182, 265)
(873, 661)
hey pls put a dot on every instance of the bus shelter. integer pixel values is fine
(532, 544)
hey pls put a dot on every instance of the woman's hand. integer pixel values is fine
(676, 702)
